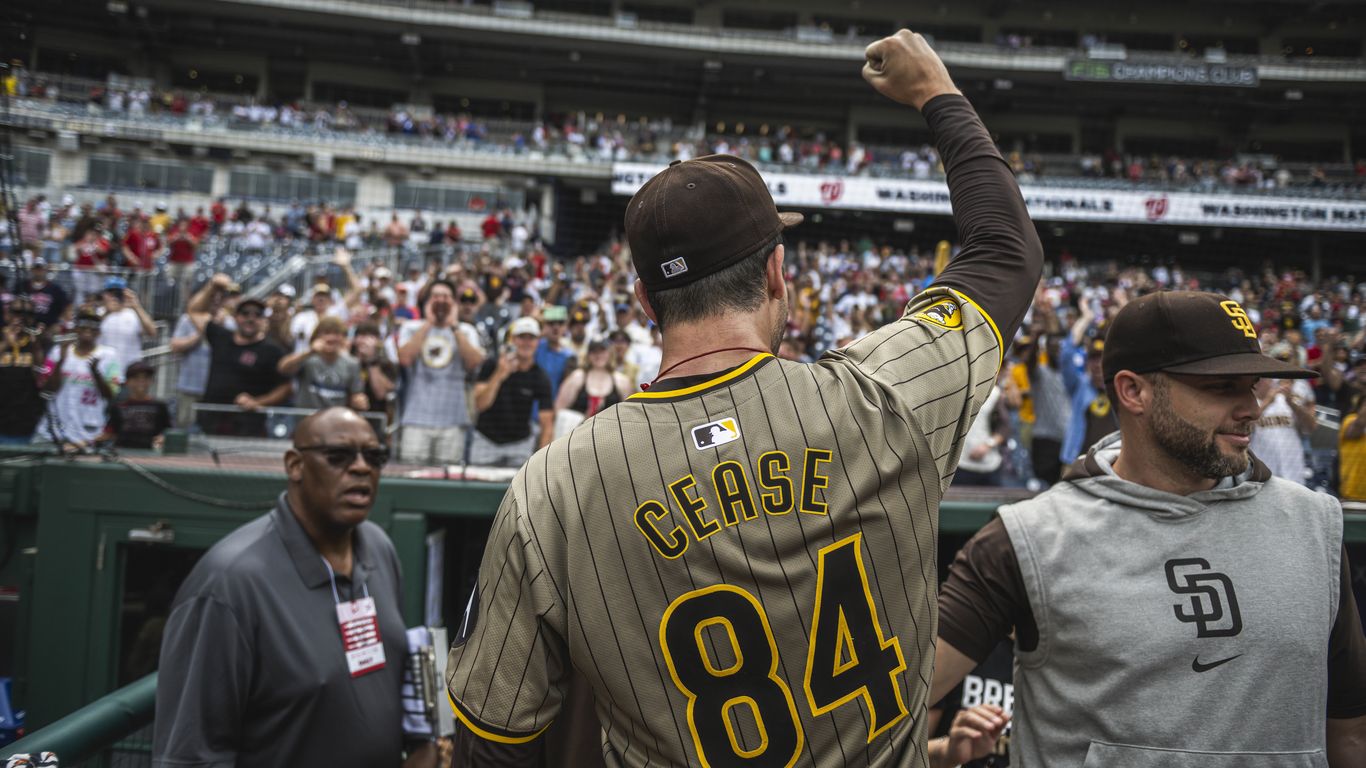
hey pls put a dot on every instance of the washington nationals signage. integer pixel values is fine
(1048, 203)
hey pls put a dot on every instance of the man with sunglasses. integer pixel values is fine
(252, 670)
(243, 364)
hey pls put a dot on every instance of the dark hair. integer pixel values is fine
(427, 291)
(367, 328)
(738, 288)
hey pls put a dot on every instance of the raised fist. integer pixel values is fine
(905, 69)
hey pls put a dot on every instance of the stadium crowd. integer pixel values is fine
(608, 139)
(481, 350)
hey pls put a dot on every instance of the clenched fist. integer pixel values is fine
(905, 69)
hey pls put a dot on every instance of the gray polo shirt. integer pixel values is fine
(253, 671)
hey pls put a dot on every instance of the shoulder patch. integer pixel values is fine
(945, 314)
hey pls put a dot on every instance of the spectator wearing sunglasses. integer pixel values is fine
(243, 364)
(252, 670)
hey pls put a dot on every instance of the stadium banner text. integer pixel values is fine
(1048, 203)
(1161, 73)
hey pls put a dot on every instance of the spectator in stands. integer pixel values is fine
(280, 315)
(324, 374)
(619, 353)
(437, 352)
(141, 246)
(23, 373)
(595, 385)
(139, 420)
(160, 221)
(1352, 444)
(321, 304)
(32, 223)
(183, 244)
(50, 302)
(1287, 417)
(126, 323)
(1092, 416)
(92, 258)
(493, 314)
(243, 364)
(647, 357)
(187, 343)
(395, 234)
(491, 227)
(403, 308)
(86, 377)
(984, 443)
(509, 387)
(378, 373)
(576, 343)
(218, 214)
(551, 354)
(1323, 357)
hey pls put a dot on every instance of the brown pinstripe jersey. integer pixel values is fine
(744, 570)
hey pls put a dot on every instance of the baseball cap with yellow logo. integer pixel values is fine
(1190, 332)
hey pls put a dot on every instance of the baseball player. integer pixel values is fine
(740, 561)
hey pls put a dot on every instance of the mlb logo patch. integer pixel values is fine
(715, 433)
(675, 268)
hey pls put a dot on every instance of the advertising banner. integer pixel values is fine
(1051, 203)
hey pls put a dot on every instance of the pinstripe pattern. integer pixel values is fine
(570, 576)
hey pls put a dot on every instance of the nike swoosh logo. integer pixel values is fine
(1198, 667)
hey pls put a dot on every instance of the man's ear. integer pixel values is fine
(294, 465)
(644, 299)
(1131, 391)
(777, 280)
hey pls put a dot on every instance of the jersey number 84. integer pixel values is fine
(849, 657)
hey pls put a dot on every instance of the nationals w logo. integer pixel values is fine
(1212, 606)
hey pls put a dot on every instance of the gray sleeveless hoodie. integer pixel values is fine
(1174, 631)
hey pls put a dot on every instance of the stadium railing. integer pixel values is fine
(100, 729)
(562, 158)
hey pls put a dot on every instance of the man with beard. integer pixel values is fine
(1173, 602)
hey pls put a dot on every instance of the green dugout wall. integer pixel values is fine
(96, 550)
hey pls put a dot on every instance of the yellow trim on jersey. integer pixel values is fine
(485, 734)
(753, 361)
(1000, 345)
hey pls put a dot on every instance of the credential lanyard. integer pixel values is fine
(359, 624)
(332, 575)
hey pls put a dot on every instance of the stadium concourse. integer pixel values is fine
(72, 251)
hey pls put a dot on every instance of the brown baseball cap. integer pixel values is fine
(1189, 332)
(699, 216)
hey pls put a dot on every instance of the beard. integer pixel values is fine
(1191, 445)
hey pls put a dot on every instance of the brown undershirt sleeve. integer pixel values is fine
(984, 597)
(1001, 258)
(1346, 654)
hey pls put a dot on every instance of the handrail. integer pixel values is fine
(94, 727)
